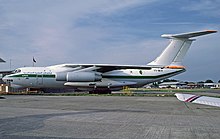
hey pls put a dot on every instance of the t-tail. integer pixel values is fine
(176, 50)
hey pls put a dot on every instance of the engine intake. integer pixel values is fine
(78, 77)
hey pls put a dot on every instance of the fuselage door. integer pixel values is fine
(39, 79)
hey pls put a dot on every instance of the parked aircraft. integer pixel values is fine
(211, 101)
(105, 78)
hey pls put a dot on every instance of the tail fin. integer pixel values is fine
(176, 50)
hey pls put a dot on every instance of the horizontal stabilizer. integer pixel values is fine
(211, 101)
(189, 34)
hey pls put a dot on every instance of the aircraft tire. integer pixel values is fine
(100, 92)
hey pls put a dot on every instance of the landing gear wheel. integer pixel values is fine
(100, 92)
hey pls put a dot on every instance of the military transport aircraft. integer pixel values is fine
(104, 78)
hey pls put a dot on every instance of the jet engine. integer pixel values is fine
(78, 76)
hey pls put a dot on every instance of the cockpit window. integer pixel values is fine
(17, 71)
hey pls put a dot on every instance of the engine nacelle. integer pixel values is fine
(61, 76)
(78, 77)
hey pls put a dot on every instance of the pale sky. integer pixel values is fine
(108, 31)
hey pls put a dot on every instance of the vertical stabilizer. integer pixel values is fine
(178, 47)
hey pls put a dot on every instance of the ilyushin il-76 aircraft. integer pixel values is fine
(104, 78)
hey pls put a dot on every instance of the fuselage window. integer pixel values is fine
(140, 72)
(17, 71)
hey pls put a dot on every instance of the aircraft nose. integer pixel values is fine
(6, 78)
(10, 81)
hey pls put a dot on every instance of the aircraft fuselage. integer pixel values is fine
(44, 77)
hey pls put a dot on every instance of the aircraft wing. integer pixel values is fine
(6, 72)
(211, 101)
(1, 60)
(107, 67)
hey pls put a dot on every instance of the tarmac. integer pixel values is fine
(105, 117)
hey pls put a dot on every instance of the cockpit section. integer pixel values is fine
(16, 71)
(8, 79)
